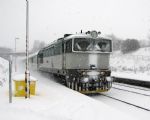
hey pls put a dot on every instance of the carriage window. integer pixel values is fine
(40, 57)
(32, 60)
(69, 46)
(51, 49)
(44, 53)
(58, 48)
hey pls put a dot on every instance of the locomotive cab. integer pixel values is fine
(87, 64)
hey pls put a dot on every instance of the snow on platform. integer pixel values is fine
(54, 101)
(20, 77)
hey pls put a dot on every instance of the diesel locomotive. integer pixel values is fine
(81, 61)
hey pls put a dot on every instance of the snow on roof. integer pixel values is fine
(85, 36)
(21, 77)
(78, 35)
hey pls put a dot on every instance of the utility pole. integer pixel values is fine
(27, 73)
(10, 79)
(15, 53)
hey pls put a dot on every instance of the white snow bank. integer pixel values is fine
(142, 51)
(21, 77)
(139, 76)
(4, 71)
(132, 65)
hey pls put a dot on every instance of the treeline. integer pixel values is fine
(37, 45)
(130, 45)
(125, 46)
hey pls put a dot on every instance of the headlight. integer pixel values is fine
(102, 73)
(109, 79)
(84, 73)
(85, 80)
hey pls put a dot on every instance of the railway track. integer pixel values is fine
(131, 91)
(134, 82)
(130, 95)
(126, 102)
(131, 86)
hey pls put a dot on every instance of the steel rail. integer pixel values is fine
(131, 86)
(131, 91)
(146, 109)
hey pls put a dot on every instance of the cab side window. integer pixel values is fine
(69, 46)
(58, 49)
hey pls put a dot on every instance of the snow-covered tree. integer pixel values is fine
(129, 45)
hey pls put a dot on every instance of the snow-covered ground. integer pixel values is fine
(131, 96)
(134, 65)
(138, 114)
(3, 71)
(54, 101)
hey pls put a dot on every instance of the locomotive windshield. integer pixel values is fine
(88, 44)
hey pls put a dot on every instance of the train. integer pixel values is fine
(81, 60)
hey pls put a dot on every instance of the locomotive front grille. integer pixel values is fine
(95, 87)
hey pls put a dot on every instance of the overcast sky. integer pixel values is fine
(50, 19)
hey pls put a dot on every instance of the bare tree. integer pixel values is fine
(37, 45)
(116, 41)
(130, 45)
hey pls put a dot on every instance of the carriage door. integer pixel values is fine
(40, 59)
(52, 56)
(67, 51)
(63, 55)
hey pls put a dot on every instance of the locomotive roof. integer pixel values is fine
(84, 36)
(70, 36)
